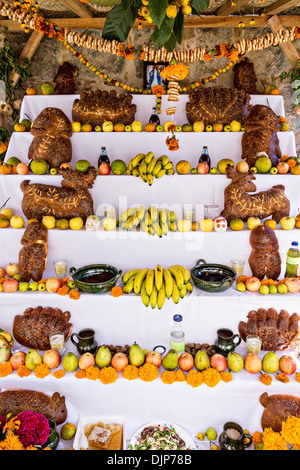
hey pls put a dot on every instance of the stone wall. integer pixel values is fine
(268, 63)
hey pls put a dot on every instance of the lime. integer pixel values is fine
(82, 165)
(39, 166)
(68, 431)
(118, 167)
(62, 224)
(47, 88)
(263, 165)
(211, 434)
(26, 123)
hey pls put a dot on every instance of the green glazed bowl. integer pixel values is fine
(78, 276)
(224, 274)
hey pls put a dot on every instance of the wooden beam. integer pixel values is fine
(279, 6)
(287, 47)
(190, 22)
(78, 7)
(231, 7)
(27, 53)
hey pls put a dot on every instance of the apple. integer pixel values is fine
(206, 225)
(217, 127)
(104, 169)
(107, 126)
(53, 284)
(293, 284)
(137, 126)
(202, 168)
(282, 168)
(17, 359)
(86, 360)
(287, 365)
(252, 363)
(242, 167)
(252, 284)
(209, 128)
(218, 362)
(253, 222)
(10, 285)
(12, 269)
(153, 357)
(2, 272)
(186, 361)
(119, 361)
(52, 358)
(287, 223)
(198, 126)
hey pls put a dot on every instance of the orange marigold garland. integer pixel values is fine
(59, 374)
(148, 372)
(5, 369)
(211, 377)
(23, 371)
(92, 373)
(194, 378)
(108, 375)
(41, 371)
(265, 379)
(130, 372)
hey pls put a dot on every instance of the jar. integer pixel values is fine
(253, 344)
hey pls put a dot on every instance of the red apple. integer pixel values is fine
(252, 284)
(53, 284)
(12, 269)
(186, 361)
(282, 168)
(287, 365)
(17, 359)
(293, 284)
(202, 168)
(218, 362)
(119, 361)
(10, 285)
(52, 358)
(153, 357)
(86, 360)
(104, 169)
(252, 363)
(2, 272)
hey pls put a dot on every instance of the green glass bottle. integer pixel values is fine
(292, 261)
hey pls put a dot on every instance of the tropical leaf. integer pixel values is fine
(200, 5)
(162, 35)
(157, 9)
(120, 20)
(179, 26)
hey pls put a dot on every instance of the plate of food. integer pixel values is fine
(100, 433)
(161, 436)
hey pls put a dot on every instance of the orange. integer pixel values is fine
(150, 127)
(119, 127)
(68, 431)
(20, 127)
(272, 90)
(86, 128)
(31, 91)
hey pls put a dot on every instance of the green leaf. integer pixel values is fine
(161, 35)
(171, 43)
(179, 26)
(200, 5)
(158, 10)
(120, 20)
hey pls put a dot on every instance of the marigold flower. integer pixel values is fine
(108, 375)
(5, 369)
(194, 378)
(130, 372)
(41, 371)
(148, 372)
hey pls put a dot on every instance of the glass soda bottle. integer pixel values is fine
(154, 118)
(205, 158)
(292, 261)
(103, 157)
(177, 335)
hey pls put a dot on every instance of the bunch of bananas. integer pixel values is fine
(147, 167)
(6, 339)
(154, 221)
(158, 284)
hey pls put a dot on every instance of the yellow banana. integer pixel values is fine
(128, 213)
(141, 212)
(147, 218)
(144, 296)
(164, 160)
(143, 168)
(149, 281)
(162, 216)
(157, 168)
(175, 293)
(150, 179)
(158, 277)
(168, 166)
(189, 286)
(139, 280)
(170, 172)
(144, 177)
(168, 280)
(178, 276)
(151, 165)
(173, 216)
(183, 291)
(173, 226)
(128, 171)
(135, 161)
(157, 228)
(161, 297)
(149, 157)
(129, 274)
(165, 229)
(161, 173)
(153, 211)
(153, 297)
(128, 287)
(135, 172)
(186, 273)
(7, 336)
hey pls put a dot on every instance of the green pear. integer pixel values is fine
(170, 361)
(32, 359)
(70, 362)
(202, 360)
(235, 362)
(103, 357)
(136, 355)
(270, 363)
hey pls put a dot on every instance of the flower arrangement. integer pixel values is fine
(26, 431)
(287, 438)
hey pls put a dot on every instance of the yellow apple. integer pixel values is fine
(235, 126)
(184, 225)
(49, 222)
(107, 126)
(287, 223)
(109, 223)
(76, 126)
(253, 222)
(17, 221)
(242, 167)
(8, 213)
(206, 225)
(271, 223)
(198, 126)
(136, 126)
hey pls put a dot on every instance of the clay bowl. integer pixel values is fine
(212, 277)
(85, 278)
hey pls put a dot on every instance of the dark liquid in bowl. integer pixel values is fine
(98, 278)
(211, 277)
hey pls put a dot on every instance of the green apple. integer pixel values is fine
(178, 129)
(127, 128)
(71, 285)
(274, 170)
(33, 286)
(208, 128)
(227, 128)
(282, 289)
(17, 277)
(213, 170)
(98, 129)
(159, 128)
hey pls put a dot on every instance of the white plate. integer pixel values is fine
(190, 445)
(80, 440)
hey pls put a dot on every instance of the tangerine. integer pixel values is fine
(150, 127)
(68, 431)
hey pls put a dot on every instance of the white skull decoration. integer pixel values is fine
(6, 108)
(220, 224)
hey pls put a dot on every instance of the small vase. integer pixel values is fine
(53, 439)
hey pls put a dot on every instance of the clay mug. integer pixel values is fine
(85, 341)
(226, 341)
(234, 438)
